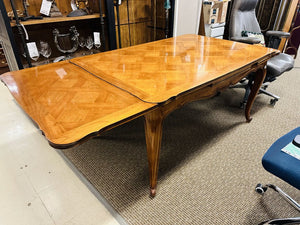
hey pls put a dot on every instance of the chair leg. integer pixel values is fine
(246, 96)
(246, 84)
(275, 97)
(247, 92)
(295, 220)
(262, 189)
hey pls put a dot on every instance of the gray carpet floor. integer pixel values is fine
(210, 161)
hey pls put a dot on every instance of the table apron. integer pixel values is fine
(209, 89)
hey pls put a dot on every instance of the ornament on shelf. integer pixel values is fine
(80, 8)
(49, 8)
(66, 43)
(54, 11)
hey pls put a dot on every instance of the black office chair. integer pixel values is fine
(244, 28)
(280, 160)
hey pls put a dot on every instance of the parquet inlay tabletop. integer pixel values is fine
(158, 71)
(68, 103)
(75, 100)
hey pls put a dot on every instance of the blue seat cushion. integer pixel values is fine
(282, 164)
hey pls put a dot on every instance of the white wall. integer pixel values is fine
(186, 17)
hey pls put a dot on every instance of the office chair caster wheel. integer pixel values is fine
(273, 101)
(260, 189)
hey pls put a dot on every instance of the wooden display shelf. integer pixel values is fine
(57, 19)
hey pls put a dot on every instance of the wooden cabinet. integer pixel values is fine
(142, 21)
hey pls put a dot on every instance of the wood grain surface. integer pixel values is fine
(74, 100)
(68, 103)
(160, 70)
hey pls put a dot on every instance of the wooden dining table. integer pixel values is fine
(75, 100)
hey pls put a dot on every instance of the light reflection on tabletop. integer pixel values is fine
(155, 71)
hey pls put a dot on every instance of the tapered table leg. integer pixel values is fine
(258, 80)
(153, 133)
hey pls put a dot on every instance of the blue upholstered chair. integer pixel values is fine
(286, 167)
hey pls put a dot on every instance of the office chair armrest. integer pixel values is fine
(247, 40)
(276, 33)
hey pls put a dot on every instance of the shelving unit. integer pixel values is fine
(42, 29)
(140, 22)
(213, 18)
(58, 19)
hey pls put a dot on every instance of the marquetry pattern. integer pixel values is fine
(68, 103)
(74, 100)
(158, 71)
